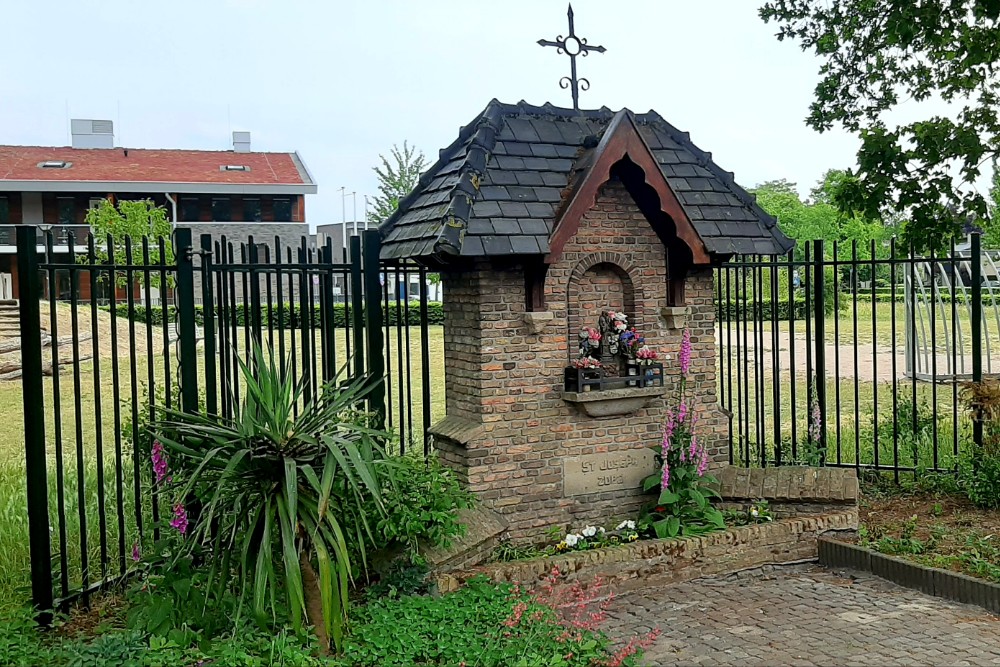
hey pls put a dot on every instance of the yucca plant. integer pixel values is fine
(280, 488)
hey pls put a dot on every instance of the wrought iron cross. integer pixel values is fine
(572, 46)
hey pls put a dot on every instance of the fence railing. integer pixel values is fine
(854, 355)
(91, 373)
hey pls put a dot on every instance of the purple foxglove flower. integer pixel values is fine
(180, 520)
(682, 412)
(685, 354)
(665, 477)
(136, 553)
(159, 463)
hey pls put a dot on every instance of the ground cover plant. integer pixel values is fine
(933, 528)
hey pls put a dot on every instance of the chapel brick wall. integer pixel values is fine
(510, 380)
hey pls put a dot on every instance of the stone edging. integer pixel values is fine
(930, 580)
(659, 562)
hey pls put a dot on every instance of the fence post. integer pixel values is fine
(29, 292)
(208, 324)
(977, 330)
(184, 253)
(357, 306)
(373, 324)
(819, 306)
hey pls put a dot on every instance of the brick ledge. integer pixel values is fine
(659, 562)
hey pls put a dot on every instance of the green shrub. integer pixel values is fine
(487, 625)
(980, 478)
(421, 500)
(287, 317)
(265, 480)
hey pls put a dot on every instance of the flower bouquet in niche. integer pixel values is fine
(685, 489)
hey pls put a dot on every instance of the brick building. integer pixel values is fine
(539, 218)
(218, 192)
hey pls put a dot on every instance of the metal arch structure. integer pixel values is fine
(939, 311)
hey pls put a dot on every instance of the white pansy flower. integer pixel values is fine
(630, 525)
(601, 530)
(754, 513)
(571, 540)
(589, 531)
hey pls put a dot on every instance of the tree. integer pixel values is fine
(991, 230)
(131, 220)
(877, 54)
(395, 180)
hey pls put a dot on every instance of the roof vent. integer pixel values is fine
(92, 133)
(241, 142)
(54, 164)
(234, 167)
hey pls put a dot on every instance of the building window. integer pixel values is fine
(282, 210)
(67, 210)
(190, 209)
(4, 211)
(252, 211)
(221, 209)
(95, 202)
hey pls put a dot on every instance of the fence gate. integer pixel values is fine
(91, 372)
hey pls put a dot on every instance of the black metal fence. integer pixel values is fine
(854, 355)
(93, 369)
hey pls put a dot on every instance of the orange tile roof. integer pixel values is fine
(20, 163)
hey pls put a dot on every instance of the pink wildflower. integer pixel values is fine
(136, 553)
(159, 463)
(665, 478)
(685, 354)
(694, 447)
(703, 464)
(682, 412)
(180, 520)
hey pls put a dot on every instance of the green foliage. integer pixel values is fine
(395, 180)
(133, 220)
(980, 479)
(402, 577)
(483, 624)
(265, 480)
(752, 514)
(820, 219)
(421, 501)
(876, 54)
(172, 598)
(288, 317)
(906, 543)
(684, 507)
(912, 426)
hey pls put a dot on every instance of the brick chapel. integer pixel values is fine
(539, 219)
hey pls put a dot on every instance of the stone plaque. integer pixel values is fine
(609, 471)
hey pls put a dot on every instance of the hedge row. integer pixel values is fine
(288, 317)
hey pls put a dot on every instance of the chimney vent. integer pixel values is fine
(241, 142)
(92, 133)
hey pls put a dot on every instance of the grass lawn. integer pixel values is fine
(91, 441)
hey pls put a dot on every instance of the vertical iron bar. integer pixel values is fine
(29, 293)
(188, 352)
(934, 346)
(895, 372)
(92, 274)
(836, 349)
(168, 390)
(820, 303)
(357, 303)
(116, 401)
(280, 294)
(305, 321)
(425, 362)
(913, 338)
(792, 368)
(977, 331)
(386, 319)
(954, 359)
(857, 386)
(373, 324)
(874, 359)
(253, 275)
(81, 486)
(330, 321)
(208, 325)
(130, 280)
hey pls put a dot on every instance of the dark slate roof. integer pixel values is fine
(498, 188)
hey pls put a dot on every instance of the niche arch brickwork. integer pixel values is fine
(599, 282)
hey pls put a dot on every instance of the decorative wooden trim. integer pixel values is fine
(622, 140)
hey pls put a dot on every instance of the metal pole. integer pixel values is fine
(373, 325)
(29, 290)
(977, 331)
(357, 305)
(185, 321)
(819, 303)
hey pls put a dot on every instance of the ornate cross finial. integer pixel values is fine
(572, 46)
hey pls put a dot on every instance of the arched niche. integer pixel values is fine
(599, 282)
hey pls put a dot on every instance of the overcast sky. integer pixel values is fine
(341, 81)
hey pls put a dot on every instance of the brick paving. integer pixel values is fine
(805, 615)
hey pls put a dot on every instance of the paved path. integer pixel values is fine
(805, 616)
